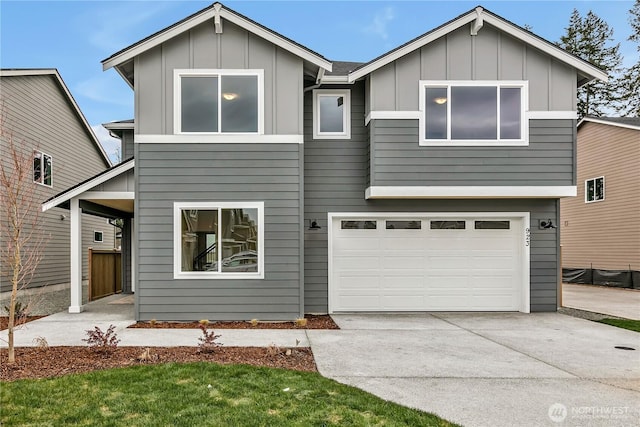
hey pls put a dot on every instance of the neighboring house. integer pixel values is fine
(271, 182)
(42, 117)
(601, 226)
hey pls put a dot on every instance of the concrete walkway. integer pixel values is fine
(601, 299)
(64, 329)
(489, 369)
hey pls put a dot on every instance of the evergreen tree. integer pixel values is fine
(590, 38)
(629, 83)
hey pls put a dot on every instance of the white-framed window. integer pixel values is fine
(98, 236)
(332, 114)
(42, 168)
(463, 113)
(218, 101)
(218, 240)
(594, 190)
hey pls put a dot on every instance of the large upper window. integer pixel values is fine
(473, 113)
(42, 169)
(332, 114)
(222, 240)
(594, 189)
(218, 101)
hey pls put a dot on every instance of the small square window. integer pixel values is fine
(594, 189)
(42, 168)
(331, 114)
(98, 236)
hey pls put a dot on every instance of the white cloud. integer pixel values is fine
(110, 144)
(380, 22)
(105, 88)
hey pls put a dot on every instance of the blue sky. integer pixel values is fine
(74, 36)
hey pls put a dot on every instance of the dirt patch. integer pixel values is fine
(4, 321)
(33, 362)
(313, 322)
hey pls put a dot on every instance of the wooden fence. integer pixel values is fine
(105, 273)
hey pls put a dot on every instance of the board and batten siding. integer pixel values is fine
(604, 234)
(491, 55)
(201, 48)
(39, 116)
(335, 177)
(398, 160)
(168, 173)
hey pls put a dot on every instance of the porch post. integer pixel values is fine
(76, 257)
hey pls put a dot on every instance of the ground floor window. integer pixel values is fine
(219, 240)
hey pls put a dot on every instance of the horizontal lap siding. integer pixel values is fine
(168, 173)
(38, 115)
(398, 159)
(335, 179)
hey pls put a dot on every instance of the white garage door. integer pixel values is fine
(426, 264)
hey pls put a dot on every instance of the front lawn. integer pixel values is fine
(198, 394)
(632, 325)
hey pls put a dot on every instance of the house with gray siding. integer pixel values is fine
(270, 182)
(41, 117)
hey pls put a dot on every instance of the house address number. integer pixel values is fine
(527, 236)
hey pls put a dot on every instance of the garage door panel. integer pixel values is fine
(425, 269)
(403, 282)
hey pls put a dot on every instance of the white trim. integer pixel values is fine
(468, 192)
(586, 200)
(497, 22)
(346, 114)
(206, 15)
(75, 235)
(108, 195)
(606, 122)
(68, 195)
(70, 98)
(525, 218)
(523, 85)
(227, 138)
(101, 236)
(332, 79)
(220, 74)
(391, 115)
(553, 115)
(178, 207)
(118, 125)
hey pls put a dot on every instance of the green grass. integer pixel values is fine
(198, 394)
(632, 325)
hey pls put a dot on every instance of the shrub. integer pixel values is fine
(207, 342)
(102, 342)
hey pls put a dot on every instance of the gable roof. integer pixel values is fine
(19, 72)
(623, 122)
(586, 70)
(62, 199)
(215, 11)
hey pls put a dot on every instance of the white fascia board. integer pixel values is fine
(416, 44)
(108, 195)
(118, 126)
(88, 185)
(499, 23)
(335, 79)
(469, 192)
(606, 122)
(65, 89)
(218, 139)
(208, 15)
(547, 47)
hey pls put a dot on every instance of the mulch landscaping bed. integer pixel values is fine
(4, 321)
(34, 362)
(313, 322)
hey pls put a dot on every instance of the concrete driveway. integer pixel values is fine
(489, 369)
